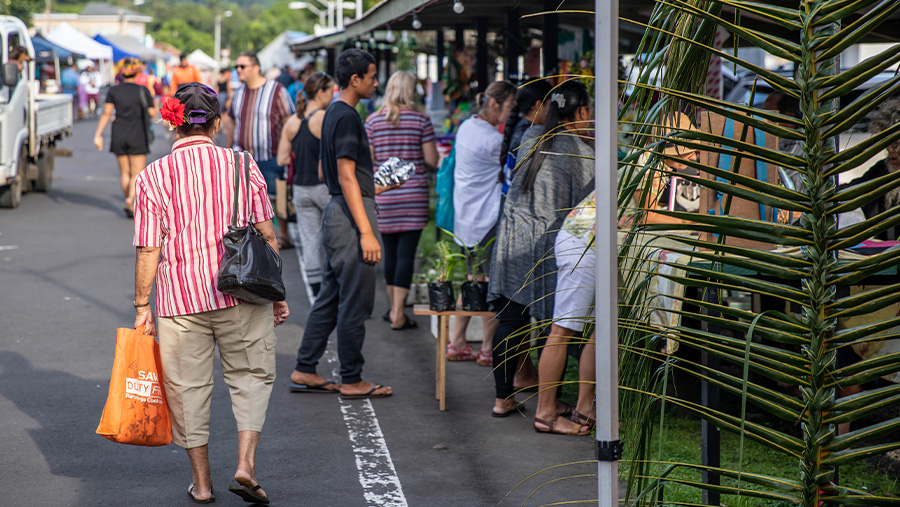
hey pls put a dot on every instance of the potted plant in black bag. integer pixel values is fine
(440, 292)
(474, 292)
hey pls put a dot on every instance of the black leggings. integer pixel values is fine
(511, 332)
(400, 257)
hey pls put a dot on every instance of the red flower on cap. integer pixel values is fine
(172, 112)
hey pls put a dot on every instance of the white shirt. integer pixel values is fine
(91, 82)
(476, 189)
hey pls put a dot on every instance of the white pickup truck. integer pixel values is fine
(30, 122)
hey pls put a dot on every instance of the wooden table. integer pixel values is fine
(442, 338)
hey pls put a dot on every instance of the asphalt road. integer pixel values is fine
(66, 284)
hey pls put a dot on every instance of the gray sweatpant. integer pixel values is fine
(310, 203)
(347, 296)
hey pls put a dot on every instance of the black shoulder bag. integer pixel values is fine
(251, 269)
(149, 135)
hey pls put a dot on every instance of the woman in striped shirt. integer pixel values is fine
(398, 130)
(183, 207)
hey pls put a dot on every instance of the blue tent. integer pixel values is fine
(118, 53)
(44, 50)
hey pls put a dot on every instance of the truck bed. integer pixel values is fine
(54, 114)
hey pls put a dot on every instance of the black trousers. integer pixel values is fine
(347, 296)
(514, 328)
(400, 257)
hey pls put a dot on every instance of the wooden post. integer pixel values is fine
(550, 30)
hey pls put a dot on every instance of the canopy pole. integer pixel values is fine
(605, 151)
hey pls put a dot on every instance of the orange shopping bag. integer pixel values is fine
(136, 411)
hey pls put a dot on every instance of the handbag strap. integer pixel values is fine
(244, 163)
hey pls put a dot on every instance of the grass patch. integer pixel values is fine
(681, 444)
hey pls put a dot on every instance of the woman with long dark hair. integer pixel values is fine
(300, 138)
(523, 273)
(530, 110)
(133, 105)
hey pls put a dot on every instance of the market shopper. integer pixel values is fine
(257, 114)
(178, 235)
(299, 147)
(91, 82)
(476, 198)
(399, 130)
(183, 73)
(573, 300)
(133, 105)
(552, 181)
(530, 110)
(350, 235)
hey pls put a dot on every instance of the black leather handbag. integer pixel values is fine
(251, 269)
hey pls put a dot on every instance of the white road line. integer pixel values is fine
(9, 247)
(381, 485)
(295, 239)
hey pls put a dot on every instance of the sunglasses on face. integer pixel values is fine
(242, 67)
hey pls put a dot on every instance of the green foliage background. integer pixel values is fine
(190, 25)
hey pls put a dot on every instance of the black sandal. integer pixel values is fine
(407, 324)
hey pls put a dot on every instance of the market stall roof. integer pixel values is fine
(118, 53)
(68, 37)
(44, 50)
(202, 60)
(278, 52)
(130, 44)
(437, 14)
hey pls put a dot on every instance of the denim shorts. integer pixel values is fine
(271, 171)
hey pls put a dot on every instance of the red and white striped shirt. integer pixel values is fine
(183, 206)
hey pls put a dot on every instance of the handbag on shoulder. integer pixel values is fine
(251, 269)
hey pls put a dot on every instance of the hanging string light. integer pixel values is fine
(458, 6)
(416, 24)
(389, 36)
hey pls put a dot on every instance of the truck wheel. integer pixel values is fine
(27, 184)
(45, 169)
(11, 195)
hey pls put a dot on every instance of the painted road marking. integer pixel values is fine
(377, 475)
(9, 247)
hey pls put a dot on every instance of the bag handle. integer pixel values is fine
(245, 165)
(237, 189)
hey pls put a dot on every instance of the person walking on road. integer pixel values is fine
(351, 239)
(258, 111)
(183, 209)
(91, 82)
(128, 142)
(299, 146)
(183, 73)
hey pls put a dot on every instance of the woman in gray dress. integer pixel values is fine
(557, 177)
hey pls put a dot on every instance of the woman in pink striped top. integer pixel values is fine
(398, 130)
(183, 207)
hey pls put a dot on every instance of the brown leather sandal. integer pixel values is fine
(584, 420)
(578, 431)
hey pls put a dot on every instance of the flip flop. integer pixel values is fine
(369, 394)
(248, 494)
(211, 499)
(407, 324)
(577, 431)
(386, 316)
(519, 409)
(318, 388)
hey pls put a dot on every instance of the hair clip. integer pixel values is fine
(559, 98)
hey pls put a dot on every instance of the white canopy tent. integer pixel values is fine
(134, 46)
(67, 36)
(278, 53)
(201, 60)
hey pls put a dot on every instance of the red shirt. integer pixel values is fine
(183, 206)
